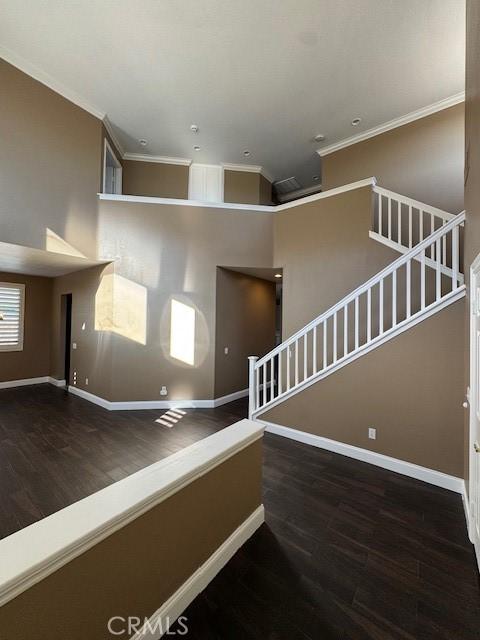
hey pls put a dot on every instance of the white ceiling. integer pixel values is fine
(262, 75)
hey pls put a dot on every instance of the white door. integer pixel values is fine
(474, 473)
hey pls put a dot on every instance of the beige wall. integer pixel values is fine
(133, 571)
(423, 160)
(93, 357)
(412, 385)
(49, 157)
(265, 191)
(325, 252)
(245, 323)
(155, 179)
(410, 389)
(472, 171)
(173, 254)
(246, 187)
(34, 360)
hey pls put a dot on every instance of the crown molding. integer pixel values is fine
(393, 124)
(37, 74)
(249, 168)
(185, 162)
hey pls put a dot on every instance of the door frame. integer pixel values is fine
(118, 171)
(472, 402)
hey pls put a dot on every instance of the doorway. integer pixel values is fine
(66, 307)
(474, 442)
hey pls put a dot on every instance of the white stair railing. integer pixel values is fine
(399, 296)
(401, 223)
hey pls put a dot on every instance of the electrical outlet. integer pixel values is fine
(74, 345)
(372, 433)
(86, 381)
(163, 391)
(226, 351)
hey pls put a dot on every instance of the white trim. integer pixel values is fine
(56, 382)
(118, 168)
(466, 508)
(416, 204)
(367, 182)
(396, 246)
(86, 395)
(133, 405)
(473, 401)
(33, 553)
(18, 346)
(218, 402)
(25, 382)
(187, 203)
(359, 184)
(198, 581)
(143, 157)
(249, 168)
(437, 478)
(393, 124)
(410, 322)
(37, 74)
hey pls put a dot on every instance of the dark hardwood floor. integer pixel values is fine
(348, 551)
(56, 448)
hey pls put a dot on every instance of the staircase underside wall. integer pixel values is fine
(410, 389)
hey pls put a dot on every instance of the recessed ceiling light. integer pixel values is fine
(316, 178)
(355, 122)
(278, 275)
(246, 153)
(196, 148)
(319, 137)
(194, 128)
(143, 142)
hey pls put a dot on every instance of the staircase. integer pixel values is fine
(422, 281)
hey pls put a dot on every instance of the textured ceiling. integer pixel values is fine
(262, 75)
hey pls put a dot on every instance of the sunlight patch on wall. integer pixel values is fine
(182, 332)
(121, 307)
(55, 244)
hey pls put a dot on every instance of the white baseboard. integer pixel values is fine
(129, 405)
(157, 404)
(431, 476)
(466, 508)
(90, 397)
(230, 398)
(158, 623)
(26, 382)
(56, 382)
(10, 384)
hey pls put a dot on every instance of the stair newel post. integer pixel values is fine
(251, 384)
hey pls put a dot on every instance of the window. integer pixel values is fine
(112, 170)
(12, 302)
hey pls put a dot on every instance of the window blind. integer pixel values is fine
(11, 316)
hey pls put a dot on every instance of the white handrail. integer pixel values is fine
(414, 203)
(393, 266)
(266, 373)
